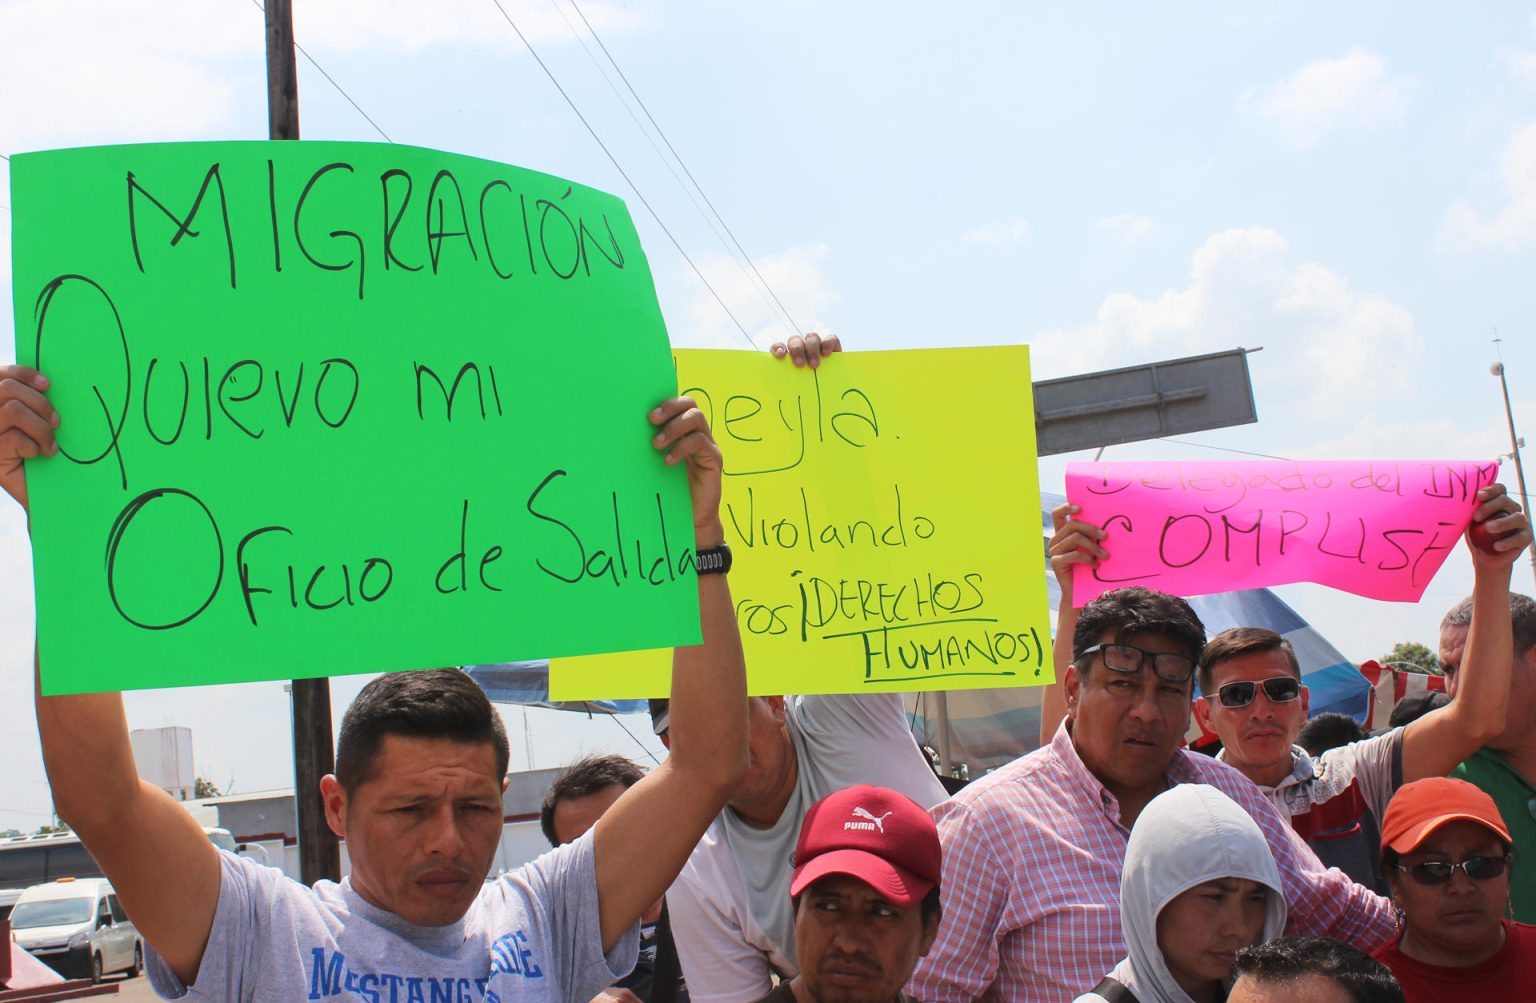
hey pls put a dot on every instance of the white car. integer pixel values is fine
(76, 927)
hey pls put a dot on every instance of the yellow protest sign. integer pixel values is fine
(883, 513)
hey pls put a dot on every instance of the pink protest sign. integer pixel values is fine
(1377, 529)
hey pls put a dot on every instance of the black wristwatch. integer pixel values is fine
(713, 561)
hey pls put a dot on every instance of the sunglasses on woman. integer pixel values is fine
(1439, 872)
(1278, 689)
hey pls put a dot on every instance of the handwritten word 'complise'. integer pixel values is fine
(1379, 529)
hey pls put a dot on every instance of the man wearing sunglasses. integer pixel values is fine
(1033, 852)
(1252, 697)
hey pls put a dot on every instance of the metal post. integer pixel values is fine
(282, 72)
(941, 709)
(313, 755)
(1514, 442)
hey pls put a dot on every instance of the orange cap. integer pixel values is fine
(1419, 808)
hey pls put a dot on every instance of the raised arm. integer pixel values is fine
(145, 842)
(1074, 542)
(675, 803)
(1435, 743)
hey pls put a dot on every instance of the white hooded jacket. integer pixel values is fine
(1184, 837)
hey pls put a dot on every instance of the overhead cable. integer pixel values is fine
(740, 252)
(331, 80)
(622, 173)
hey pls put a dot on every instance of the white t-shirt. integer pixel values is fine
(730, 909)
(531, 935)
(1336, 802)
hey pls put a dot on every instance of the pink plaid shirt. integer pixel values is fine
(1031, 889)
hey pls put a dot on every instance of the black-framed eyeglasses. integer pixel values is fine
(1277, 689)
(1128, 659)
(1439, 872)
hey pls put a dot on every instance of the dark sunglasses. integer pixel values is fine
(1127, 660)
(1439, 872)
(1278, 689)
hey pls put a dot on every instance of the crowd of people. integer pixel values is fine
(801, 849)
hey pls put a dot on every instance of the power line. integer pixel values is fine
(795, 328)
(736, 259)
(622, 173)
(643, 748)
(1225, 449)
(331, 80)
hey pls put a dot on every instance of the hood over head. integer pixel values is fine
(1184, 837)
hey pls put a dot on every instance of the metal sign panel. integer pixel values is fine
(1144, 402)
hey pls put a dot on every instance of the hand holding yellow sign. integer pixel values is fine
(883, 513)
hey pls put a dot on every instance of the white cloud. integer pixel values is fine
(99, 71)
(998, 233)
(107, 72)
(795, 275)
(1521, 62)
(1352, 91)
(1511, 225)
(1125, 228)
(1332, 344)
(1412, 435)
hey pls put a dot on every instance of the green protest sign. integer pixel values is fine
(339, 407)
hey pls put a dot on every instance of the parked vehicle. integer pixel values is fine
(33, 860)
(76, 927)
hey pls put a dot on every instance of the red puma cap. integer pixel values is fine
(877, 835)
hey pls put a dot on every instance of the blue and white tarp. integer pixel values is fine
(527, 683)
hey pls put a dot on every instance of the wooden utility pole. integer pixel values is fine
(313, 755)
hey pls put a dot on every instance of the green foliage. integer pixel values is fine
(205, 788)
(1413, 657)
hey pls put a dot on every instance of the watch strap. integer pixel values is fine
(713, 560)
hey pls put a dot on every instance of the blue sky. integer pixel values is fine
(1352, 188)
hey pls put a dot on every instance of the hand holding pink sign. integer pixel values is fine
(1377, 529)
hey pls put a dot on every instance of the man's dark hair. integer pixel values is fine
(1292, 958)
(1135, 610)
(1239, 641)
(581, 779)
(431, 703)
(1330, 730)
(1414, 706)
(929, 905)
(1522, 617)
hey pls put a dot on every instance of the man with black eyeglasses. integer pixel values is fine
(1253, 699)
(1033, 851)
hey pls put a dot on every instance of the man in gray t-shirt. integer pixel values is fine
(420, 774)
(274, 939)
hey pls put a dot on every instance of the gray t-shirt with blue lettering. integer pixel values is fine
(531, 935)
